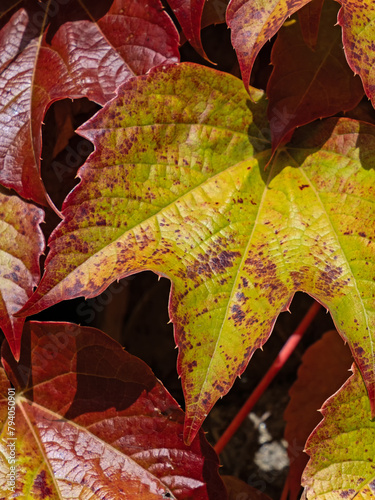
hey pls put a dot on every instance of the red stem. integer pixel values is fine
(276, 366)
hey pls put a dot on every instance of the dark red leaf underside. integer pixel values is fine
(239, 490)
(307, 84)
(309, 19)
(214, 12)
(71, 50)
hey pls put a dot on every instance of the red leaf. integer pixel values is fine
(325, 367)
(309, 84)
(21, 244)
(69, 50)
(189, 15)
(92, 411)
(253, 24)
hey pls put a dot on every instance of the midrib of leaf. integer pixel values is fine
(317, 195)
(150, 218)
(235, 283)
(137, 225)
(208, 178)
(203, 125)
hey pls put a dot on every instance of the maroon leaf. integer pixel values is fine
(21, 244)
(94, 417)
(325, 84)
(71, 49)
(253, 24)
(189, 15)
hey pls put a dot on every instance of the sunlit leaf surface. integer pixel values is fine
(358, 35)
(177, 184)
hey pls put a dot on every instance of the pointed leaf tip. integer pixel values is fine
(253, 24)
(189, 15)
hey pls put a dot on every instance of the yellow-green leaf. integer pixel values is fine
(177, 184)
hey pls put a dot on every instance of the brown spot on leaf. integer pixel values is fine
(245, 283)
(241, 297)
(40, 485)
(237, 314)
(347, 493)
(358, 349)
(191, 366)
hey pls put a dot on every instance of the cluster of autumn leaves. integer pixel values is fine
(202, 179)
